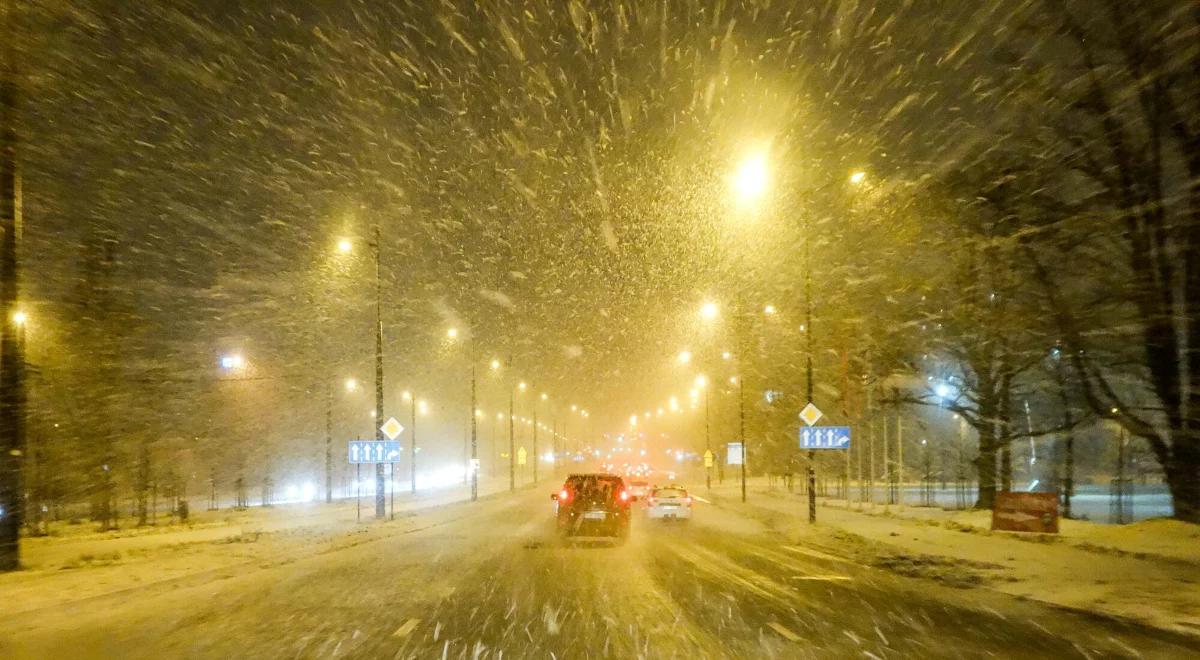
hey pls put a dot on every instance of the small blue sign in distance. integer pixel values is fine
(374, 451)
(825, 437)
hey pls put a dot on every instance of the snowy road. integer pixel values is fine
(489, 579)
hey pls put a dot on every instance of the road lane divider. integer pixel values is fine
(783, 632)
(406, 628)
(816, 554)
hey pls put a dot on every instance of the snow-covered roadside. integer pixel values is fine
(1148, 572)
(83, 564)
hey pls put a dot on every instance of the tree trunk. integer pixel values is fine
(985, 465)
(1183, 479)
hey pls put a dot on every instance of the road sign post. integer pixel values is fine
(810, 415)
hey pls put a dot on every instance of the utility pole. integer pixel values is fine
(535, 447)
(412, 449)
(808, 364)
(742, 429)
(900, 459)
(707, 440)
(380, 501)
(474, 466)
(12, 380)
(512, 449)
(329, 441)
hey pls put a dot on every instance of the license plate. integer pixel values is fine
(669, 505)
(593, 515)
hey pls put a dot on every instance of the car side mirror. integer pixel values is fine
(554, 496)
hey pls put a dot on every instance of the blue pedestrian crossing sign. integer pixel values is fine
(374, 451)
(825, 437)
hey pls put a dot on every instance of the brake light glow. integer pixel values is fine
(624, 496)
(564, 495)
(688, 499)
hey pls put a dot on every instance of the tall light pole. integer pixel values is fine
(512, 443)
(12, 382)
(380, 499)
(808, 363)
(452, 334)
(543, 397)
(474, 466)
(707, 443)
(412, 442)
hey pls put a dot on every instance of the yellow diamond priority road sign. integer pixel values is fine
(391, 428)
(811, 414)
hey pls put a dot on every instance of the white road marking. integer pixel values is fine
(827, 578)
(407, 628)
(814, 553)
(700, 499)
(784, 632)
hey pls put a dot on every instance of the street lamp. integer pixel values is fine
(452, 334)
(709, 311)
(858, 177)
(228, 362)
(751, 178)
(351, 384)
(684, 357)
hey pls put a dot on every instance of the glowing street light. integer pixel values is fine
(521, 386)
(545, 396)
(769, 309)
(345, 246)
(406, 395)
(673, 404)
(422, 407)
(751, 178)
(701, 382)
(351, 384)
(858, 177)
(495, 364)
(19, 318)
(685, 357)
(234, 361)
(709, 311)
(452, 333)
(726, 355)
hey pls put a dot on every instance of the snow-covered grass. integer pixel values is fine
(78, 562)
(1148, 571)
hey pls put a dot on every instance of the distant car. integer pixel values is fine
(594, 504)
(638, 490)
(669, 503)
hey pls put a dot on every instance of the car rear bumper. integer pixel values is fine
(669, 512)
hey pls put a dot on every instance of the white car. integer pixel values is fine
(669, 503)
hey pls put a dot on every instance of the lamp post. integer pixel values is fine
(380, 502)
(543, 397)
(412, 442)
(452, 335)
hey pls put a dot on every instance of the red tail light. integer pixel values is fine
(564, 495)
(688, 499)
(624, 496)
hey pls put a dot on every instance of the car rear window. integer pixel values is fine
(670, 492)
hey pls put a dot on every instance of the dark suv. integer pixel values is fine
(593, 505)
